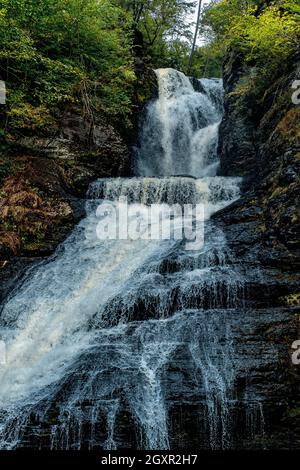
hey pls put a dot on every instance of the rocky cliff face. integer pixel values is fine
(260, 140)
(43, 182)
(44, 179)
(42, 187)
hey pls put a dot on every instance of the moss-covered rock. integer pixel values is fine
(43, 180)
(260, 140)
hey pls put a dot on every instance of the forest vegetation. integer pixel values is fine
(56, 53)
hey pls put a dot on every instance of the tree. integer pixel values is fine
(160, 22)
(195, 35)
(64, 52)
(266, 34)
(136, 7)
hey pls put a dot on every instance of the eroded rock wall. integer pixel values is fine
(43, 184)
(260, 141)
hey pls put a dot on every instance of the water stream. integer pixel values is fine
(108, 339)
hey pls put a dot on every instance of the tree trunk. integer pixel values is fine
(195, 36)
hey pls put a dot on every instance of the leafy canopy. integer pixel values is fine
(266, 33)
(57, 52)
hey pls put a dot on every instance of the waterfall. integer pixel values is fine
(180, 131)
(124, 343)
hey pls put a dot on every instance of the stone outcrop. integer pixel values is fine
(43, 183)
(260, 141)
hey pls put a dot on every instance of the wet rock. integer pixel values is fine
(44, 184)
(259, 140)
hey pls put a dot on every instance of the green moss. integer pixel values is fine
(34, 245)
(293, 299)
(294, 412)
(289, 126)
(277, 192)
(53, 415)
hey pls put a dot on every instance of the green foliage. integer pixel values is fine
(266, 33)
(59, 52)
(208, 61)
(163, 24)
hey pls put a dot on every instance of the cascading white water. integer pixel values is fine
(95, 333)
(180, 131)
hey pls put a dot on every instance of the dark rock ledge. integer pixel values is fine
(43, 185)
(260, 141)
